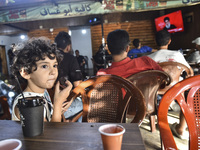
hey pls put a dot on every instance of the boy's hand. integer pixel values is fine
(61, 95)
(65, 106)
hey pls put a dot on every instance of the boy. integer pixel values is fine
(118, 44)
(36, 64)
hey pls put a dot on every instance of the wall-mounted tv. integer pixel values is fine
(172, 22)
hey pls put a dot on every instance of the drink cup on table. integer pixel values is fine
(10, 144)
(31, 115)
(111, 135)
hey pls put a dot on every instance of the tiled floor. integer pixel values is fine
(152, 140)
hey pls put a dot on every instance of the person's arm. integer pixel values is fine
(59, 97)
(83, 62)
(154, 50)
(191, 71)
(76, 83)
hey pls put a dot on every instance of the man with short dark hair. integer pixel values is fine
(118, 44)
(69, 66)
(138, 49)
(69, 69)
(163, 39)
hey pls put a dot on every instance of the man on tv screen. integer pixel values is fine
(168, 25)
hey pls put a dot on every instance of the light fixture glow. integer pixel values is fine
(83, 31)
(70, 32)
(22, 37)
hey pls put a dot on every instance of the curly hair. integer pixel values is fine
(32, 51)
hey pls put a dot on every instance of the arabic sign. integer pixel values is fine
(87, 8)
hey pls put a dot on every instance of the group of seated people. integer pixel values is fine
(39, 64)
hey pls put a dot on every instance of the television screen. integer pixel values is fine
(172, 22)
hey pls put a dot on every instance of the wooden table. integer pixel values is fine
(69, 136)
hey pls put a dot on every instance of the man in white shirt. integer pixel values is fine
(163, 39)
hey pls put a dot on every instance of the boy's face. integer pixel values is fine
(45, 75)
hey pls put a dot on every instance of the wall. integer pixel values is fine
(141, 29)
(82, 42)
(51, 34)
(192, 30)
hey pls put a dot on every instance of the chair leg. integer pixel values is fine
(152, 123)
(161, 144)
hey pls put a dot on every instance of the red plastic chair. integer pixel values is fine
(191, 111)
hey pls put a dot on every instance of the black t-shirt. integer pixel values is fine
(80, 59)
(69, 68)
(171, 27)
(98, 57)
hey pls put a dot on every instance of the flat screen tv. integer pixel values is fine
(172, 22)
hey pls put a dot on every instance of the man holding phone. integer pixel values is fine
(69, 70)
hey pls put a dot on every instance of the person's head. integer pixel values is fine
(136, 43)
(36, 63)
(163, 38)
(167, 22)
(63, 41)
(77, 52)
(197, 42)
(12, 45)
(118, 41)
(105, 46)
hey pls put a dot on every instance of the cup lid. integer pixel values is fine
(31, 101)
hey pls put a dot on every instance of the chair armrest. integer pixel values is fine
(74, 119)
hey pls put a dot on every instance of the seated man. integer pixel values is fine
(138, 49)
(163, 39)
(118, 44)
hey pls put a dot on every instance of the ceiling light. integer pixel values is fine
(22, 37)
(83, 31)
(70, 32)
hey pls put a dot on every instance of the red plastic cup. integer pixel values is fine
(111, 135)
(10, 144)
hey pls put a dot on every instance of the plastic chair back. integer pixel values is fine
(106, 98)
(175, 70)
(190, 109)
(149, 82)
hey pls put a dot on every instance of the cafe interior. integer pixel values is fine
(107, 99)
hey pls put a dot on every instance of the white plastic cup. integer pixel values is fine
(112, 135)
(10, 144)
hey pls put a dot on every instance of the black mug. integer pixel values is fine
(31, 115)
